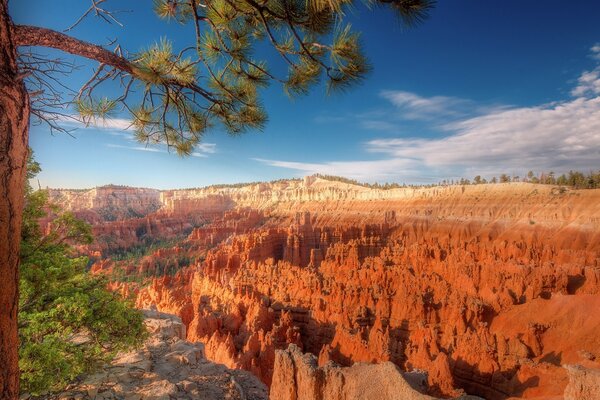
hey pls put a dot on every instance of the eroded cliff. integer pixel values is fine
(488, 288)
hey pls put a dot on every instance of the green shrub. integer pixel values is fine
(69, 323)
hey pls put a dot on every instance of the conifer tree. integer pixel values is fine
(215, 80)
(59, 300)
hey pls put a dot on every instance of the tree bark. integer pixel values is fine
(14, 131)
(25, 35)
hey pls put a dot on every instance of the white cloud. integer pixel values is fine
(207, 147)
(559, 136)
(588, 83)
(362, 170)
(203, 149)
(137, 148)
(595, 51)
(413, 106)
(406, 106)
(565, 134)
(120, 126)
(113, 126)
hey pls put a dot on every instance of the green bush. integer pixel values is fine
(69, 323)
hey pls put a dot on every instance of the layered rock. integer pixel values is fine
(477, 285)
(413, 295)
(298, 377)
(109, 202)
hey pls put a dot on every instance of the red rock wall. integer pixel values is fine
(488, 289)
(413, 294)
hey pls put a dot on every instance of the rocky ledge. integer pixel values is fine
(584, 383)
(167, 367)
(298, 377)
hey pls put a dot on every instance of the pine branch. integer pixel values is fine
(25, 35)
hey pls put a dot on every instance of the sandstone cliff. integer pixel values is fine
(488, 288)
(298, 377)
(109, 202)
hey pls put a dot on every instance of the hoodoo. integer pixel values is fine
(489, 290)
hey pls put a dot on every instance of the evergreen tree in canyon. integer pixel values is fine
(69, 323)
(171, 97)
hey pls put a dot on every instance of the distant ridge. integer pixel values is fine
(574, 179)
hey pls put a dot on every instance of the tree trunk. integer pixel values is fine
(14, 130)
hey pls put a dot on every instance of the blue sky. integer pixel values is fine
(479, 88)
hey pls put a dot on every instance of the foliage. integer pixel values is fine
(147, 246)
(575, 179)
(69, 323)
(164, 266)
(335, 178)
(174, 93)
(241, 184)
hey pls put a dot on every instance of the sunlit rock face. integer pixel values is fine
(490, 289)
(109, 202)
(330, 382)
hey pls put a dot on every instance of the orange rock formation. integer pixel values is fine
(361, 381)
(488, 288)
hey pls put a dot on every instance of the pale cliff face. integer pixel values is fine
(511, 202)
(111, 202)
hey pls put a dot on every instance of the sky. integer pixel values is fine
(480, 88)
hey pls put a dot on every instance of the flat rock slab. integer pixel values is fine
(167, 367)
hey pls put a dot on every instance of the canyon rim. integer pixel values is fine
(488, 290)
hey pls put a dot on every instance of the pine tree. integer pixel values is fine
(576, 179)
(216, 82)
(60, 301)
(562, 180)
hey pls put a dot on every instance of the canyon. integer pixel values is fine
(487, 290)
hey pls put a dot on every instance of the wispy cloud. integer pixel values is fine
(137, 148)
(209, 148)
(413, 106)
(202, 150)
(121, 126)
(386, 169)
(558, 136)
(406, 106)
(595, 51)
(113, 126)
(588, 83)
